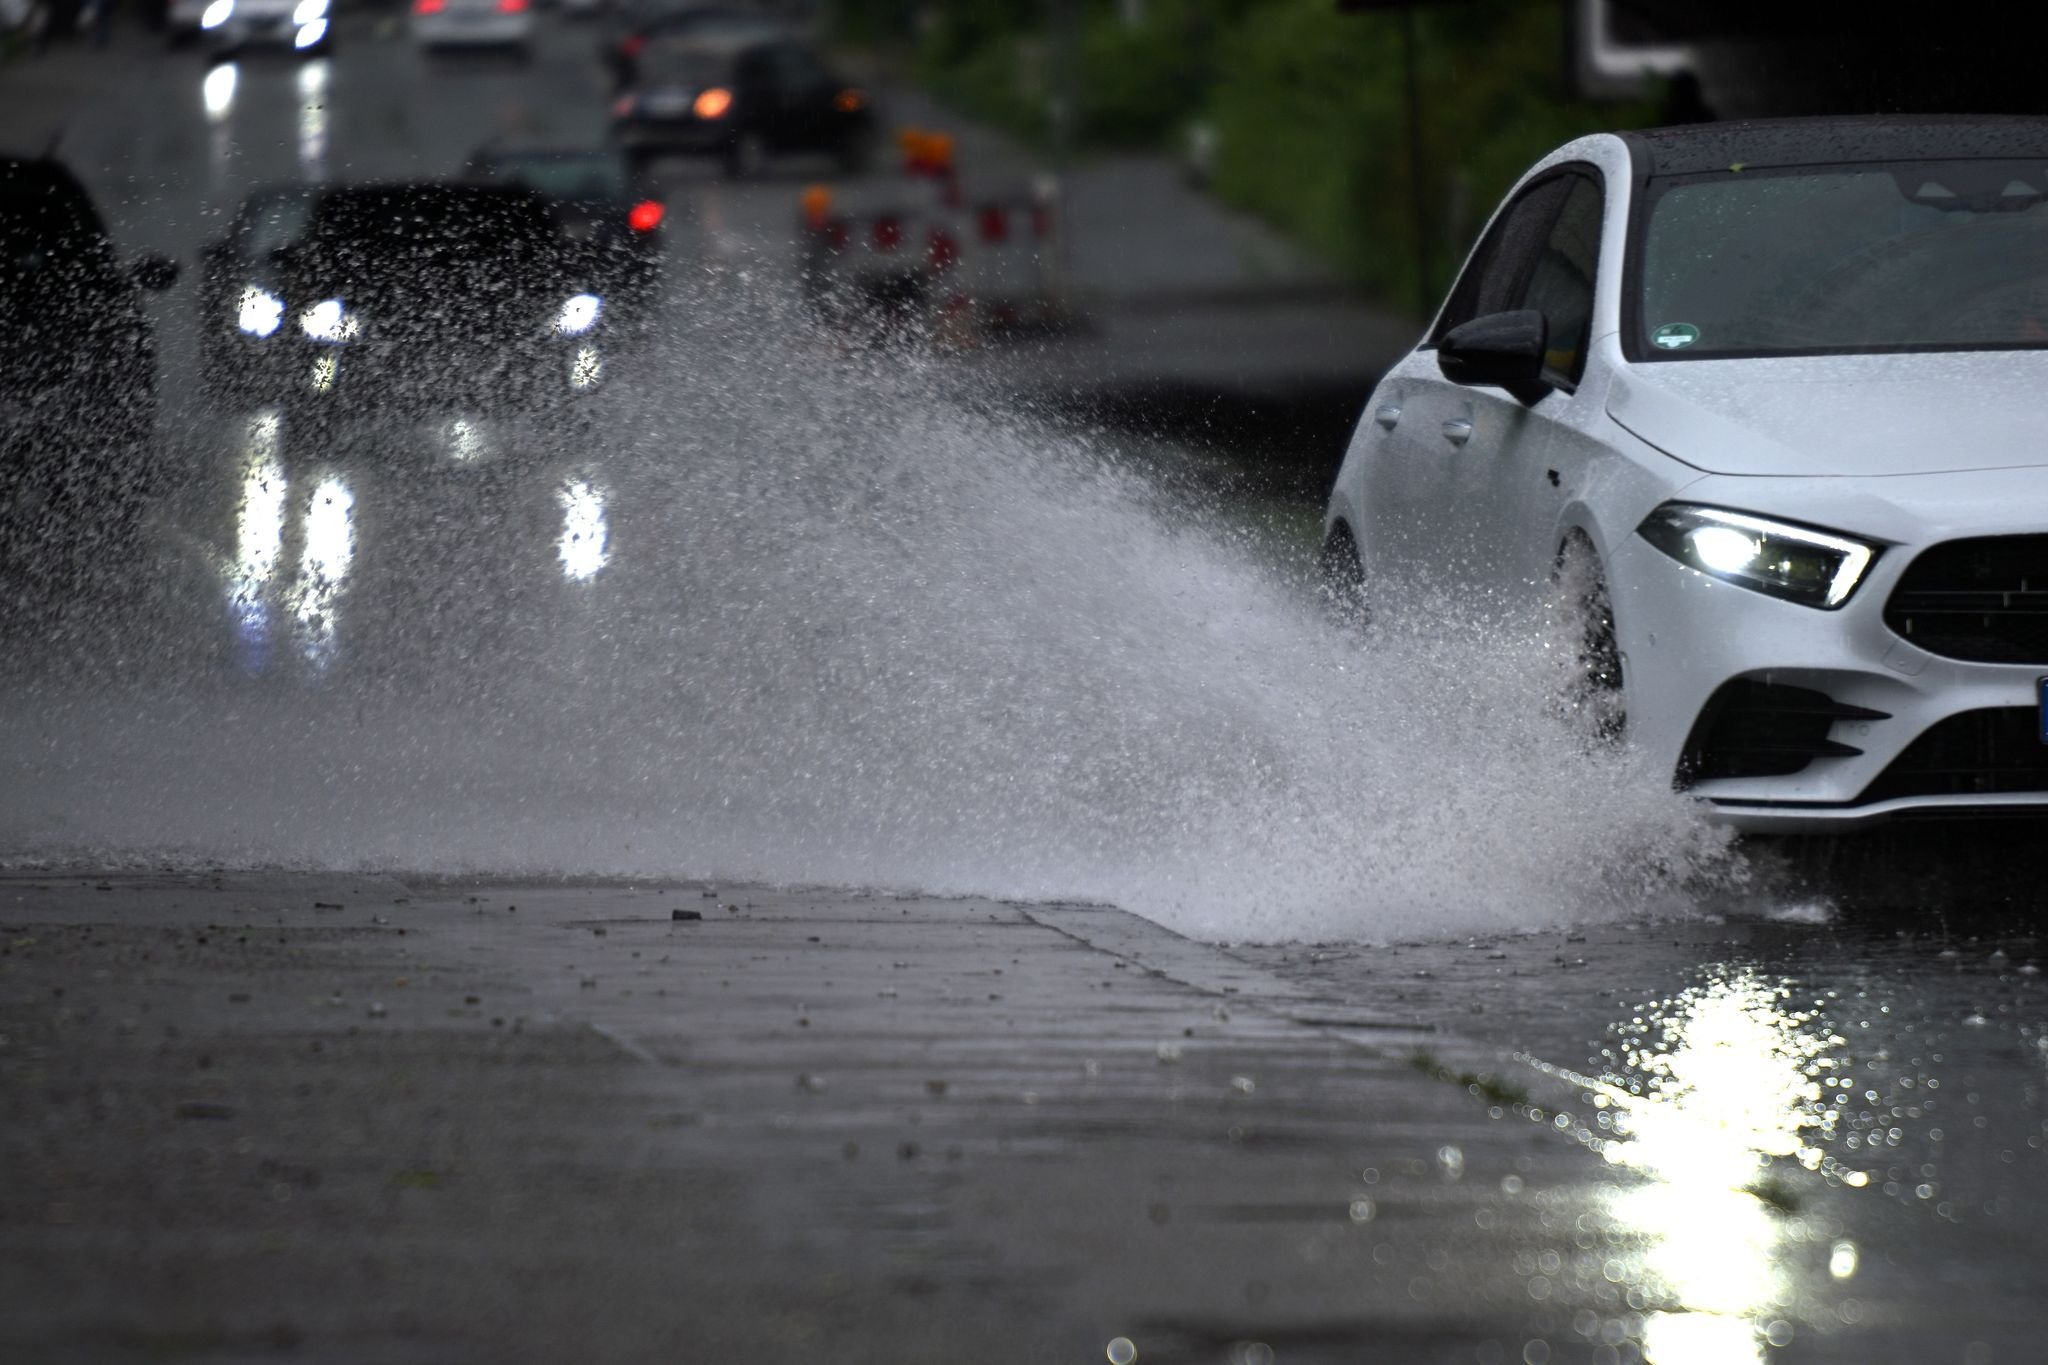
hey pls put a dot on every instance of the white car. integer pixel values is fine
(1763, 407)
(302, 25)
(473, 23)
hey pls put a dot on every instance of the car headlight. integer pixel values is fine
(327, 320)
(216, 14)
(1798, 563)
(260, 311)
(308, 11)
(578, 314)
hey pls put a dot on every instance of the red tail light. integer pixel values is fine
(513, 6)
(995, 224)
(944, 251)
(646, 215)
(429, 6)
(633, 44)
(888, 233)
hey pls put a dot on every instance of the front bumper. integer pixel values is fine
(1685, 635)
(243, 31)
(473, 30)
(370, 377)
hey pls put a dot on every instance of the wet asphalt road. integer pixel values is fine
(1809, 1123)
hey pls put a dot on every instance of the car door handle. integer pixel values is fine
(1387, 416)
(1458, 432)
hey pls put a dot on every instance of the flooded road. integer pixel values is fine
(1823, 1123)
(1556, 1071)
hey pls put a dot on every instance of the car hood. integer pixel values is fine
(1822, 416)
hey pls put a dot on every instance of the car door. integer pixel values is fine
(1429, 435)
(1511, 488)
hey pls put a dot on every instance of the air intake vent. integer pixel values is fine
(1994, 751)
(1754, 728)
(1984, 600)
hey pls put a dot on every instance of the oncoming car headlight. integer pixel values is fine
(216, 14)
(260, 312)
(308, 11)
(328, 321)
(578, 314)
(1797, 563)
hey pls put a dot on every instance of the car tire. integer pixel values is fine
(1340, 578)
(745, 155)
(1591, 697)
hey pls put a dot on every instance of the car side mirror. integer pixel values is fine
(154, 271)
(1504, 350)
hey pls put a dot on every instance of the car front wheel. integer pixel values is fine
(1590, 695)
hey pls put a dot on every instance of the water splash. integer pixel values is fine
(852, 627)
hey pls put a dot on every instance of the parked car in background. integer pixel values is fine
(1758, 408)
(448, 24)
(613, 230)
(78, 412)
(743, 99)
(400, 297)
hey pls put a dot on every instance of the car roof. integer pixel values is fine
(1693, 149)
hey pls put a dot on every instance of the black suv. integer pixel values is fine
(78, 401)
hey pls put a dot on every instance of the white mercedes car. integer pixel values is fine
(1764, 407)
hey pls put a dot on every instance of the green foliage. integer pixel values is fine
(1309, 107)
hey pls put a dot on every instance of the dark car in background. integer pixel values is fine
(634, 25)
(412, 297)
(741, 98)
(613, 232)
(79, 402)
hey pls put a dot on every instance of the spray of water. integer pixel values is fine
(781, 612)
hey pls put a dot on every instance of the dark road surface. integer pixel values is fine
(1409, 1057)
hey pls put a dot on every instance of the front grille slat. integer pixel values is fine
(1981, 600)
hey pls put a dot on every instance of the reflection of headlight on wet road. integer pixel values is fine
(328, 321)
(586, 369)
(218, 91)
(578, 315)
(324, 370)
(582, 546)
(217, 13)
(260, 312)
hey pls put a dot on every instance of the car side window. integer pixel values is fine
(1561, 283)
(1497, 276)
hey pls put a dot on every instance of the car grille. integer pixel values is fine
(1985, 600)
(1993, 751)
(1752, 727)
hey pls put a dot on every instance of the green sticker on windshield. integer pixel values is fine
(1675, 336)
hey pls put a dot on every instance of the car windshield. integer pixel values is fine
(684, 63)
(564, 177)
(1913, 256)
(405, 221)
